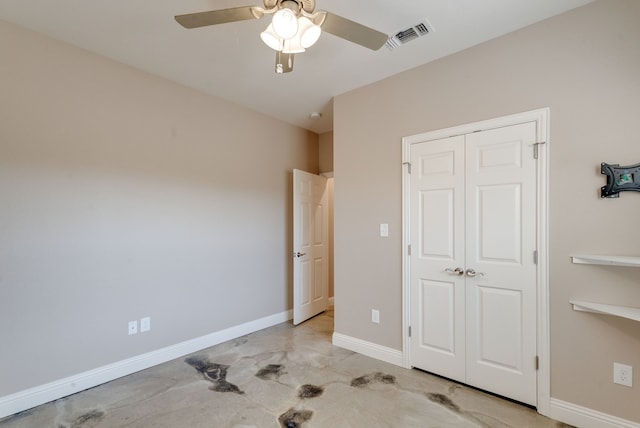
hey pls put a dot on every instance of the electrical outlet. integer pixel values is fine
(145, 324)
(623, 374)
(133, 327)
(375, 316)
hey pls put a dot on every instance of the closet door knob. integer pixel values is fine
(472, 273)
(457, 271)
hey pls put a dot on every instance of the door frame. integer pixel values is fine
(541, 118)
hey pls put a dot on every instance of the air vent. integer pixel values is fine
(412, 33)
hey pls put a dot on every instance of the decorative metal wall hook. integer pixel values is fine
(619, 179)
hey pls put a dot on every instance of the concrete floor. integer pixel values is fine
(283, 376)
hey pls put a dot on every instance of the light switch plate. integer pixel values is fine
(384, 230)
(145, 324)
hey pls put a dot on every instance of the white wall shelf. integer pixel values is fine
(600, 308)
(596, 259)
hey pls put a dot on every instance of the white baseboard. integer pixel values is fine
(585, 418)
(559, 410)
(38, 395)
(369, 349)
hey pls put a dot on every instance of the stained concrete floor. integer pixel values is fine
(283, 376)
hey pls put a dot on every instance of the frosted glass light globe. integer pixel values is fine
(285, 23)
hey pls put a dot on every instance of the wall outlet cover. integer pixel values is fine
(623, 374)
(133, 327)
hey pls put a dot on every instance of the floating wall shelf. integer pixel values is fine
(599, 308)
(595, 259)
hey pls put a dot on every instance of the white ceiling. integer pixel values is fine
(230, 61)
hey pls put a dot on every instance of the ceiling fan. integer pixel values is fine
(295, 26)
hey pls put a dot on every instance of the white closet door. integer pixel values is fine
(473, 277)
(500, 245)
(437, 227)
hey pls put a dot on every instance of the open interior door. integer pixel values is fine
(310, 245)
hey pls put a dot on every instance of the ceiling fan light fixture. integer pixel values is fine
(293, 46)
(309, 32)
(285, 21)
(271, 39)
(295, 26)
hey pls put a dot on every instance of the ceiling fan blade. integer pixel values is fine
(354, 32)
(284, 63)
(214, 17)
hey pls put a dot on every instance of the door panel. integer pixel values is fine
(499, 342)
(438, 321)
(436, 223)
(500, 242)
(319, 220)
(441, 163)
(318, 281)
(507, 154)
(437, 219)
(310, 246)
(499, 236)
(304, 272)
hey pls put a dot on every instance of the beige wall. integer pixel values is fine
(325, 165)
(585, 66)
(325, 161)
(330, 187)
(123, 196)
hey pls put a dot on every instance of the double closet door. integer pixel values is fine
(473, 272)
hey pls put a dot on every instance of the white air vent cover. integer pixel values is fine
(412, 33)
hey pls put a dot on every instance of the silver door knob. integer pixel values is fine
(299, 254)
(457, 271)
(472, 273)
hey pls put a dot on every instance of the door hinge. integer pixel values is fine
(409, 331)
(409, 249)
(537, 363)
(536, 147)
(535, 257)
(408, 164)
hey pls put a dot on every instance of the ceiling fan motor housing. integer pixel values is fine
(307, 5)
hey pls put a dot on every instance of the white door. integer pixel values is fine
(473, 275)
(310, 245)
(437, 236)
